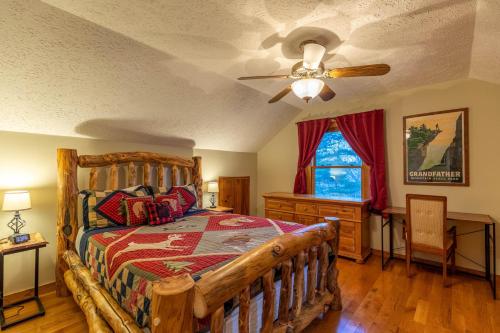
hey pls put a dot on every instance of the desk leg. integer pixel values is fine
(382, 240)
(391, 238)
(494, 238)
(489, 238)
(487, 270)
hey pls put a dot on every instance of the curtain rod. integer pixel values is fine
(333, 118)
(302, 121)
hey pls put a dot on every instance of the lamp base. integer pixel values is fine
(17, 223)
(19, 238)
(212, 200)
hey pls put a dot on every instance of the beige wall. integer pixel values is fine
(216, 163)
(28, 161)
(277, 160)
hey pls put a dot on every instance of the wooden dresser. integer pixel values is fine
(310, 209)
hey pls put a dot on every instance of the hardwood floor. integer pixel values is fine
(389, 301)
(373, 301)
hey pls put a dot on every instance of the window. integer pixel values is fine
(337, 171)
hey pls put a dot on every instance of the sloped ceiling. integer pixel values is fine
(164, 71)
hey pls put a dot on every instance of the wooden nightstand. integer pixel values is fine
(220, 209)
(35, 243)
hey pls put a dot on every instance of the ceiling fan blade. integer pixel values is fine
(281, 94)
(326, 93)
(368, 70)
(263, 77)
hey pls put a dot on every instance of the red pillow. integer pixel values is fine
(186, 197)
(111, 207)
(135, 210)
(173, 200)
(159, 213)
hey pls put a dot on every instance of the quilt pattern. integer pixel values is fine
(126, 261)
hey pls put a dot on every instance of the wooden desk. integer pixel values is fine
(489, 238)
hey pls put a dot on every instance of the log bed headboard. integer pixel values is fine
(182, 171)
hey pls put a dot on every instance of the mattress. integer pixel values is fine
(125, 260)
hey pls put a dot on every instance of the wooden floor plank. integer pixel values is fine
(374, 301)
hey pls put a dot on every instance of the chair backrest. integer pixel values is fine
(426, 220)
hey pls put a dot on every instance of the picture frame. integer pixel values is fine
(436, 148)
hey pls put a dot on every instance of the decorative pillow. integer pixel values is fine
(159, 213)
(135, 209)
(111, 207)
(186, 197)
(92, 219)
(174, 203)
(191, 188)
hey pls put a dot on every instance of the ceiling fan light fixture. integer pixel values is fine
(307, 88)
(313, 53)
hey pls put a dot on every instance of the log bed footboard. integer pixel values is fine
(178, 302)
(286, 253)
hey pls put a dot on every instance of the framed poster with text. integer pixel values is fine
(436, 148)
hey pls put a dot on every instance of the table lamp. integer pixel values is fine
(15, 201)
(212, 188)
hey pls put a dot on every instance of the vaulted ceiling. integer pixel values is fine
(164, 71)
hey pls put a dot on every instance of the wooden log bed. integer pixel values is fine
(177, 302)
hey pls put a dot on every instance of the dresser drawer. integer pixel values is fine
(347, 244)
(305, 219)
(306, 208)
(341, 211)
(280, 205)
(271, 214)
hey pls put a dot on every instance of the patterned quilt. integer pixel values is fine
(126, 260)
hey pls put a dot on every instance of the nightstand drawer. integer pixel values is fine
(341, 211)
(304, 208)
(271, 214)
(280, 205)
(305, 219)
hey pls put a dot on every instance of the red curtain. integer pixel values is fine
(365, 133)
(310, 134)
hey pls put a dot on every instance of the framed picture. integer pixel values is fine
(436, 148)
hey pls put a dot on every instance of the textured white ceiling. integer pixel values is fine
(164, 71)
(485, 59)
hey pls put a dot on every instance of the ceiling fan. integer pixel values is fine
(309, 72)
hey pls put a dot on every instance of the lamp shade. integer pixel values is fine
(307, 88)
(16, 200)
(213, 187)
(313, 53)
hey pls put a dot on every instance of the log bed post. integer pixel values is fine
(333, 272)
(172, 305)
(197, 180)
(67, 192)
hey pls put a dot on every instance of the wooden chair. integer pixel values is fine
(426, 230)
